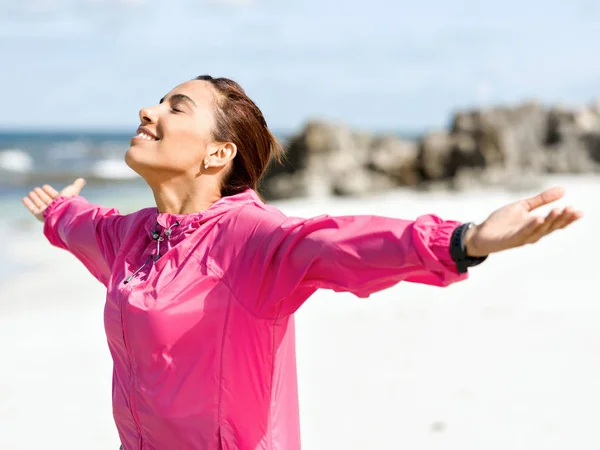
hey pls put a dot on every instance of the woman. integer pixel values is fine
(201, 289)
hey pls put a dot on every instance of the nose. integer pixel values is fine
(147, 115)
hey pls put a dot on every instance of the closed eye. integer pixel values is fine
(176, 99)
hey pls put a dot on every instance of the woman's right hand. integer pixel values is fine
(39, 199)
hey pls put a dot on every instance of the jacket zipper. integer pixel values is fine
(131, 374)
(129, 359)
(158, 238)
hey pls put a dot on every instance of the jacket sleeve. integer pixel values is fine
(88, 231)
(357, 254)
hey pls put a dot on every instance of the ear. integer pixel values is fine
(220, 154)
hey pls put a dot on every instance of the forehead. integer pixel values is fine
(200, 91)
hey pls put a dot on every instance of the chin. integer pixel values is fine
(141, 162)
(133, 160)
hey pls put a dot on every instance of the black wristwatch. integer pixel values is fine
(458, 249)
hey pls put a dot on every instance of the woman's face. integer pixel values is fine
(175, 135)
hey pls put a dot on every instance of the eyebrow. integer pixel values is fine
(179, 98)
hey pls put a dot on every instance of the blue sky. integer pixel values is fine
(385, 64)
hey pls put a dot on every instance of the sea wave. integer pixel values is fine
(15, 160)
(112, 169)
(33, 162)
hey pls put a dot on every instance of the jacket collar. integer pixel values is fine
(159, 222)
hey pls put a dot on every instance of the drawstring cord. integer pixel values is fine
(158, 238)
(130, 277)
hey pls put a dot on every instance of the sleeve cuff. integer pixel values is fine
(55, 204)
(440, 241)
(52, 217)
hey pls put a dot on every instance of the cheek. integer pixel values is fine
(184, 149)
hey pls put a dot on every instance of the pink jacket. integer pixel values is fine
(199, 307)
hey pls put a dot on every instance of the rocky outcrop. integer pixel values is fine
(511, 146)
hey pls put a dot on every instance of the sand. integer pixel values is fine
(505, 360)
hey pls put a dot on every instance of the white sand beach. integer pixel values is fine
(506, 360)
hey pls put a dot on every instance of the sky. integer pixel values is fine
(377, 64)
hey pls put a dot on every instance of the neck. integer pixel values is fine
(179, 196)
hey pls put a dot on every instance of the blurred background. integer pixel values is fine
(76, 73)
(390, 107)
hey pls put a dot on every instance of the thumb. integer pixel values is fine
(548, 196)
(74, 188)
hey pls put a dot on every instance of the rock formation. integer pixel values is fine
(508, 146)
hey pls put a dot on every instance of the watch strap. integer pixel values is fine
(458, 250)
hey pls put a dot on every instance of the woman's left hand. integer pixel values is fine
(513, 225)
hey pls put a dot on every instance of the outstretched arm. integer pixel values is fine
(87, 231)
(277, 258)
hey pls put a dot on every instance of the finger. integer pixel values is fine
(531, 226)
(74, 188)
(565, 218)
(43, 196)
(548, 196)
(78, 184)
(573, 218)
(30, 206)
(37, 201)
(545, 227)
(50, 190)
(553, 216)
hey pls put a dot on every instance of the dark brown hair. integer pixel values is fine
(240, 121)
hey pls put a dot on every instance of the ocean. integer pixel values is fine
(29, 159)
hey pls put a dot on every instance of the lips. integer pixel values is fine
(146, 134)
